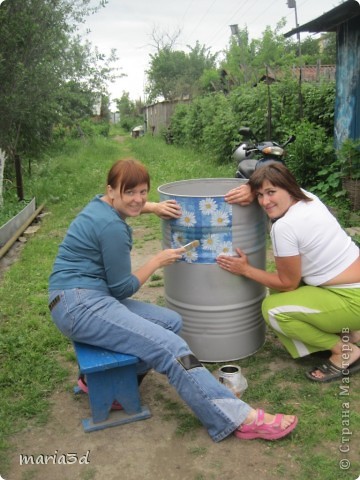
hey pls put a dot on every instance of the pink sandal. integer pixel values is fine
(267, 431)
(83, 386)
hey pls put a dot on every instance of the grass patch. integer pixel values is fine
(186, 422)
(198, 451)
(278, 383)
(155, 277)
(34, 355)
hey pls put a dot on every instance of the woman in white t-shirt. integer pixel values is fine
(317, 273)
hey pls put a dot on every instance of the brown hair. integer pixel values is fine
(279, 176)
(127, 174)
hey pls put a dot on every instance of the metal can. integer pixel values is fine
(231, 377)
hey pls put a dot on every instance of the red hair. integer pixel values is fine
(127, 174)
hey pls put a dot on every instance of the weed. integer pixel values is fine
(156, 284)
(156, 281)
(160, 301)
(155, 277)
(186, 421)
(198, 451)
(34, 353)
(89, 474)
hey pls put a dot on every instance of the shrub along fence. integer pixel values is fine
(210, 123)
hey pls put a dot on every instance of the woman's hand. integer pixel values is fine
(241, 195)
(166, 210)
(236, 265)
(161, 259)
(285, 279)
(169, 256)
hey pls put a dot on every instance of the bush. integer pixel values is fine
(311, 152)
(319, 104)
(210, 123)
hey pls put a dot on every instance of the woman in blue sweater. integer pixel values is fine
(90, 289)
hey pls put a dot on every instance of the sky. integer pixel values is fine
(127, 26)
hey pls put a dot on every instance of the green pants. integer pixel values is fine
(310, 319)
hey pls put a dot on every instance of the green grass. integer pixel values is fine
(35, 358)
(279, 384)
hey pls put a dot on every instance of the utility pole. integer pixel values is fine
(292, 4)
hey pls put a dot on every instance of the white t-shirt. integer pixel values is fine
(309, 229)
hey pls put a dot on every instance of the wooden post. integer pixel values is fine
(19, 181)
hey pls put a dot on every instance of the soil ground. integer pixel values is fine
(145, 450)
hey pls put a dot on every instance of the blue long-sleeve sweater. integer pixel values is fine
(95, 253)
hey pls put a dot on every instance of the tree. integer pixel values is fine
(273, 48)
(328, 48)
(200, 60)
(46, 74)
(310, 48)
(175, 74)
(246, 60)
(236, 67)
(130, 112)
(164, 40)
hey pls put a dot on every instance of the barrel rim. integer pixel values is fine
(236, 181)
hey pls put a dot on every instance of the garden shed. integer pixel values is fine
(158, 115)
(344, 20)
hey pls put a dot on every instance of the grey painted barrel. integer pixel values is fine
(221, 312)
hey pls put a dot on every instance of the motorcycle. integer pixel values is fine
(252, 154)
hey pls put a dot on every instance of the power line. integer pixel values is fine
(264, 11)
(243, 15)
(230, 19)
(186, 11)
(202, 18)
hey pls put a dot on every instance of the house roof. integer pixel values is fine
(328, 22)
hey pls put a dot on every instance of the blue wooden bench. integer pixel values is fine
(109, 376)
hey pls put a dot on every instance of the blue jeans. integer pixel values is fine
(150, 333)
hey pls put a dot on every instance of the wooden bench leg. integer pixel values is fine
(114, 384)
(115, 418)
(110, 376)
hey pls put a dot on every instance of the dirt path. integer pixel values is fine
(145, 450)
(148, 449)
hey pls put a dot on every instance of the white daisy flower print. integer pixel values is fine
(208, 206)
(220, 218)
(187, 219)
(225, 248)
(190, 256)
(178, 239)
(210, 242)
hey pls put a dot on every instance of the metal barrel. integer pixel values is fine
(221, 312)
